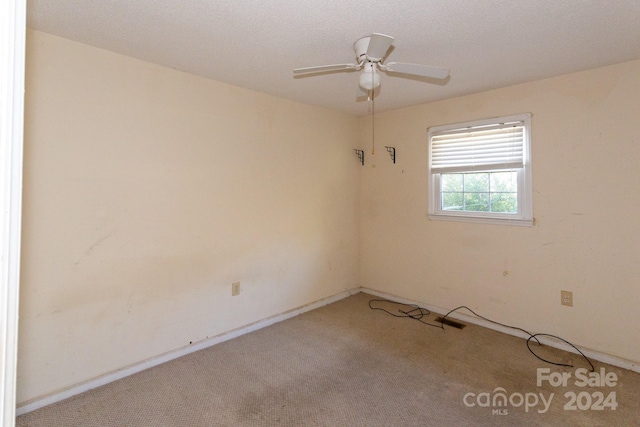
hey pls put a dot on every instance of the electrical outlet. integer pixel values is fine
(566, 298)
(235, 289)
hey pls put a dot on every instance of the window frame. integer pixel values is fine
(524, 215)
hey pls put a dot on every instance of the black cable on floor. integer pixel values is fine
(417, 313)
(563, 340)
(488, 320)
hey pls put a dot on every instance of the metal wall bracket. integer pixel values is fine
(392, 153)
(360, 154)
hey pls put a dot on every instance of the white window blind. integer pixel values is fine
(497, 146)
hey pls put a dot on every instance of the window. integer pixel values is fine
(481, 171)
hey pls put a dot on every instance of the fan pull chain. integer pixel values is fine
(373, 116)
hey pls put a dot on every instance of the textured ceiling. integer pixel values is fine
(256, 43)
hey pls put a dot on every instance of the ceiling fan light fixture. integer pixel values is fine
(369, 78)
(371, 52)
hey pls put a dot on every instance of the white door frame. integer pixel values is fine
(12, 67)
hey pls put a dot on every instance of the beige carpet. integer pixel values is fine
(347, 365)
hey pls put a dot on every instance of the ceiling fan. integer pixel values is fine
(371, 51)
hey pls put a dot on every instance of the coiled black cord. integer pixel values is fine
(418, 313)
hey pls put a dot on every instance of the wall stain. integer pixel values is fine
(95, 244)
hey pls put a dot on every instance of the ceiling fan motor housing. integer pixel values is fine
(369, 78)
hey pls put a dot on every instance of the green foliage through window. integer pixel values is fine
(480, 191)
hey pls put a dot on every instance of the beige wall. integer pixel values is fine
(149, 191)
(586, 237)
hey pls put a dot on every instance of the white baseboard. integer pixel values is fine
(66, 393)
(591, 354)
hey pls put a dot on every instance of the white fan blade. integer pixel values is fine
(418, 70)
(379, 44)
(321, 68)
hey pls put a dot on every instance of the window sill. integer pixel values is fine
(482, 219)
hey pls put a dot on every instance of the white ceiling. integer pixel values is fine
(256, 43)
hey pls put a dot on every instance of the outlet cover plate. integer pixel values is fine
(235, 289)
(566, 298)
